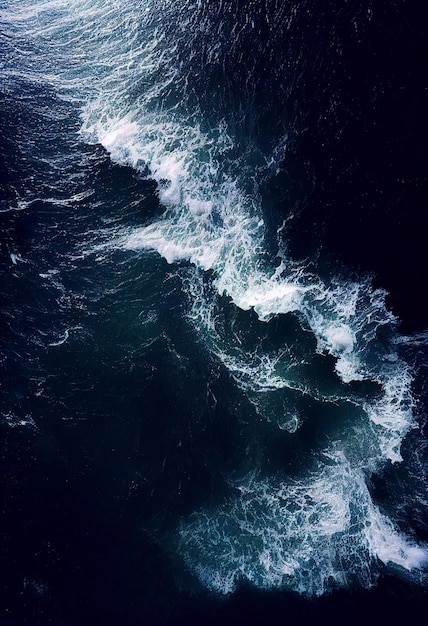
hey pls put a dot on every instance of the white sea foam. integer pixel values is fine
(65, 337)
(313, 535)
(417, 339)
(321, 530)
(392, 414)
(16, 258)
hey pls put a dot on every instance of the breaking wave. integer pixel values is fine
(318, 529)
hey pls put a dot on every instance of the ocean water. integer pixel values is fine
(214, 345)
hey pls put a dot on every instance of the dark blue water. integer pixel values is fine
(213, 339)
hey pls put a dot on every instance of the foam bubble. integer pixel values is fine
(269, 297)
(340, 338)
(16, 258)
(390, 547)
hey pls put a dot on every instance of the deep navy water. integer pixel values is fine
(213, 339)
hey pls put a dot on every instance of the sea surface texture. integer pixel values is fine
(214, 341)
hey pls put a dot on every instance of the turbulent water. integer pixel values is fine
(185, 396)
